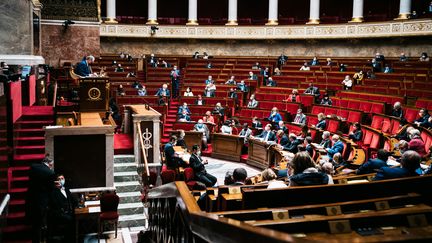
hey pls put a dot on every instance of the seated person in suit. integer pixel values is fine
(209, 80)
(326, 100)
(256, 123)
(424, 116)
(180, 140)
(239, 177)
(253, 103)
(232, 94)
(329, 62)
(208, 117)
(397, 110)
(379, 57)
(274, 116)
(305, 172)
(163, 93)
(294, 96)
(171, 158)
(282, 59)
(314, 62)
(267, 135)
(424, 57)
(199, 100)
(219, 110)
(416, 142)
(266, 74)
(136, 84)
(305, 67)
(342, 67)
(252, 76)
(281, 126)
(184, 117)
(209, 65)
(357, 134)
(312, 90)
(403, 57)
(326, 141)
(300, 118)
(409, 165)
(182, 108)
(336, 148)
(119, 69)
(388, 69)
(201, 127)
(62, 204)
(226, 127)
(120, 91)
(231, 81)
(245, 132)
(307, 144)
(242, 86)
(271, 82)
(83, 68)
(197, 164)
(256, 66)
(373, 165)
(281, 138)
(195, 55)
(292, 145)
(321, 122)
(376, 66)
(210, 90)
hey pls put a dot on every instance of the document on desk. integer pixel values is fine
(94, 209)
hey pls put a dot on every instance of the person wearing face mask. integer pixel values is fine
(175, 80)
(300, 118)
(61, 211)
(336, 148)
(242, 86)
(326, 100)
(423, 117)
(197, 164)
(182, 108)
(424, 57)
(325, 142)
(201, 127)
(41, 184)
(253, 103)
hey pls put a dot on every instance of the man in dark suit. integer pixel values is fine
(423, 117)
(256, 123)
(372, 165)
(41, 184)
(163, 93)
(409, 164)
(152, 60)
(292, 145)
(281, 138)
(312, 90)
(307, 143)
(171, 158)
(239, 177)
(267, 135)
(197, 164)
(61, 212)
(83, 68)
(175, 80)
(282, 59)
(199, 100)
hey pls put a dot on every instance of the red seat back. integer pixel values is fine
(109, 202)
(189, 174)
(167, 176)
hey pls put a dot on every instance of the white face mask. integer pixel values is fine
(198, 152)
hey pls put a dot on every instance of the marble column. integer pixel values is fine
(273, 13)
(404, 9)
(111, 12)
(314, 12)
(232, 12)
(152, 12)
(193, 9)
(357, 16)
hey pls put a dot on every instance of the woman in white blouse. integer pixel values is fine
(188, 92)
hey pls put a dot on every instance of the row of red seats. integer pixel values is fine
(372, 97)
(350, 115)
(365, 106)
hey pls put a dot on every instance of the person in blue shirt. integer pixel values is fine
(314, 62)
(274, 116)
(83, 68)
(336, 148)
(209, 80)
(321, 122)
(409, 165)
(182, 108)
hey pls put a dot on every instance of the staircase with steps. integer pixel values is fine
(128, 187)
(170, 120)
(29, 147)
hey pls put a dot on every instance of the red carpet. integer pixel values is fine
(123, 144)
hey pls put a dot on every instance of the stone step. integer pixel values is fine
(133, 220)
(124, 158)
(126, 176)
(127, 186)
(130, 208)
(124, 167)
(129, 197)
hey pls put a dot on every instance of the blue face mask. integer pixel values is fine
(200, 125)
(62, 183)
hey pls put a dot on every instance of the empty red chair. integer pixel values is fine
(386, 125)
(190, 178)
(332, 126)
(168, 176)
(108, 205)
(376, 122)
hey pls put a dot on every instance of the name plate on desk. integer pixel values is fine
(94, 94)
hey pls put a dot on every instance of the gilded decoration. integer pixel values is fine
(348, 30)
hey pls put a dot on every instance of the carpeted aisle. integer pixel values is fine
(123, 144)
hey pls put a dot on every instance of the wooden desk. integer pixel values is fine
(191, 138)
(90, 210)
(279, 155)
(91, 119)
(230, 201)
(259, 154)
(227, 146)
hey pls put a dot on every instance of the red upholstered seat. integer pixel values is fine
(108, 205)
(354, 116)
(167, 176)
(395, 127)
(189, 176)
(386, 125)
(343, 113)
(318, 109)
(367, 137)
(376, 122)
(108, 215)
(411, 114)
(332, 126)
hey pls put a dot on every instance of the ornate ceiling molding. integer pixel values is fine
(348, 30)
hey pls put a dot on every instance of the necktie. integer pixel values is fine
(266, 137)
(297, 119)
